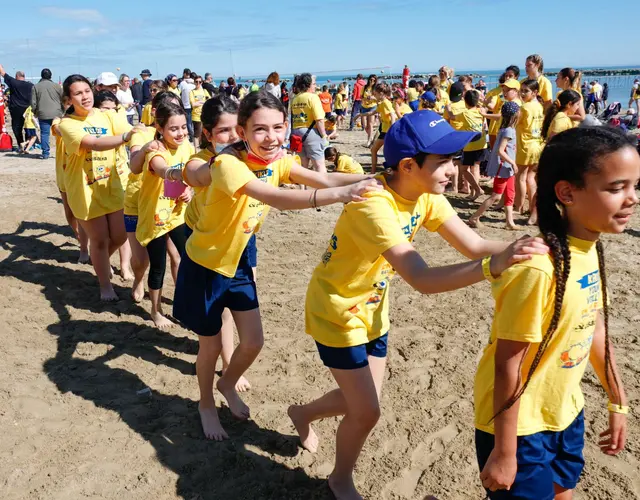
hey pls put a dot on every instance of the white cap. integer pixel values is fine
(107, 78)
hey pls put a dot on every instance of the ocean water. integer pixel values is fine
(619, 85)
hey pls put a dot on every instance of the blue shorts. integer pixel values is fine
(202, 294)
(131, 223)
(29, 133)
(544, 458)
(364, 111)
(350, 358)
(252, 248)
(340, 112)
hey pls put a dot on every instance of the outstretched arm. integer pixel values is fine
(301, 175)
(466, 241)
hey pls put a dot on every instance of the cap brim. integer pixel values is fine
(452, 142)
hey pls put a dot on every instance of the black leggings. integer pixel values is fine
(157, 250)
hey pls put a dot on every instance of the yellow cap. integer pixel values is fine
(512, 83)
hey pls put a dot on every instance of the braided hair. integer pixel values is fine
(569, 156)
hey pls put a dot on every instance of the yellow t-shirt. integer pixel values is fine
(306, 108)
(147, 117)
(199, 193)
(412, 94)
(385, 110)
(560, 123)
(28, 119)
(348, 165)
(61, 160)
(338, 103)
(494, 92)
(347, 300)
(441, 103)
(157, 213)
(138, 139)
(176, 91)
(227, 221)
(91, 188)
(529, 133)
(445, 87)
(457, 108)
(494, 125)
(197, 96)
(368, 101)
(404, 109)
(545, 89)
(473, 121)
(524, 296)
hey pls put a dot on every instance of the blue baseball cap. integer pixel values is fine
(423, 132)
(429, 96)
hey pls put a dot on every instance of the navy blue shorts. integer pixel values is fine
(350, 358)
(202, 294)
(340, 112)
(30, 132)
(544, 458)
(364, 111)
(252, 248)
(131, 223)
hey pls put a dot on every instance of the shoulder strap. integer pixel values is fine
(306, 134)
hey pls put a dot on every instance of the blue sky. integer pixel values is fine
(293, 36)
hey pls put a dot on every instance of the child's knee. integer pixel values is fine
(118, 238)
(367, 416)
(253, 344)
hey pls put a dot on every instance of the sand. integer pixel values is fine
(75, 424)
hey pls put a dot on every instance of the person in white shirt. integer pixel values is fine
(186, 86)
(126, 98)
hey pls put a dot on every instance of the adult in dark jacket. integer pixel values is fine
(136, 92)
(19, 100)
(146, 86)
(46, 104)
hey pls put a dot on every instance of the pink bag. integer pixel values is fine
(173, 189)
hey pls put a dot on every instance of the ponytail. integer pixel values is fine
(565, 99)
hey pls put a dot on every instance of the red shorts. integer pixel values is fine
(507, 186)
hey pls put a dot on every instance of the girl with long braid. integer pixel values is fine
(551, 317)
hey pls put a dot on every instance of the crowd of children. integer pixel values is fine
(146, 191)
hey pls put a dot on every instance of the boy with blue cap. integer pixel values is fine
(347, 304)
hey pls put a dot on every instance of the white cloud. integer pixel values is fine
(82, 15)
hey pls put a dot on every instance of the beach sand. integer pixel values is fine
(75, 424)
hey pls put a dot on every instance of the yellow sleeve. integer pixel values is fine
(374, 226)
(284, 170)
(545, 90)
(228, 174)
(119, 123)
(521, 295)
(317, 111)
(138, 139)
(192, 100)
(72, 134)
(438, 211)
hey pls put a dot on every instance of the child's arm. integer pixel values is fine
(106, 143)
(197, 173)
(450, 114)
(502, 153)
(158, 166)
(138, 155)
(414, 270)
(579, 116)
(301, 175)
(291, 199)
(500, 470)
(615, 436)
(466, 241)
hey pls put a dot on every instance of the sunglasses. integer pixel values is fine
(198, 81)
(174, 79)
(153, 91)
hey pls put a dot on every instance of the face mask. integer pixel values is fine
(220, 147)
(256, 158)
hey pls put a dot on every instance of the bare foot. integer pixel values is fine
(84, 257)
(108, 294)
(473, 196)
(127, 274)
(161, 321)
(343, 490)
(308, 437)
(511, 227)
(474, 223)
(243, 385)
(211, 424)
(137, 291)
(532, 221)
(236, 405)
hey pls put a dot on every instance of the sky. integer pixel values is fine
(254, 37)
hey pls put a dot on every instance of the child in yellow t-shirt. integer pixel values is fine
(163, 199)
(340, 105)
(197, 98)
(399, 103)
(219, 121)
(550, 320)
(95, 196)
(138, 153)
(30, 134)
(343, 163)
(215, 272)
(347, 303)
(382, 93)
(330, 126)
(556, 119)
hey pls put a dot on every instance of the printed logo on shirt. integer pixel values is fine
(409, 229)
(379, 288)
(577, 353)
(97, 131)
(333, 245)
(250, 224)
(263, 175)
